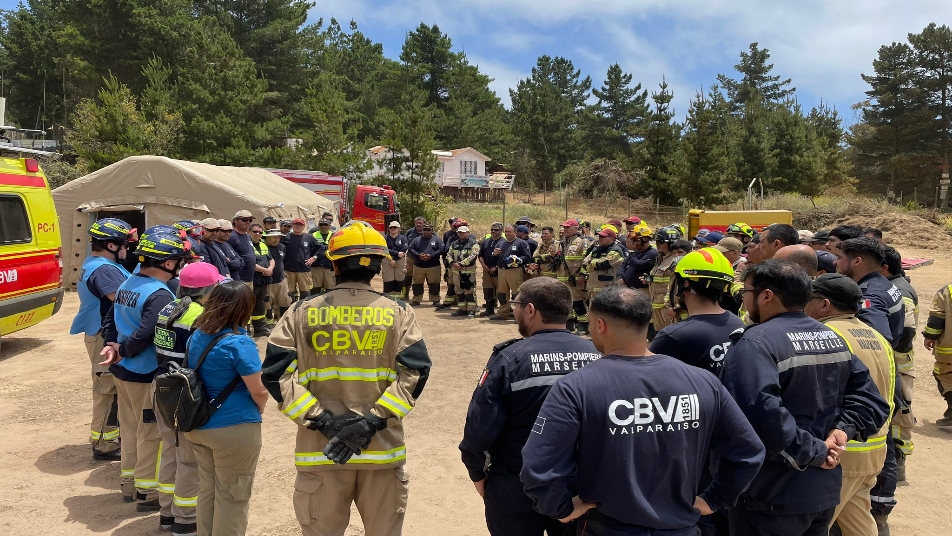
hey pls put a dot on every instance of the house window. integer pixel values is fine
(468, 167)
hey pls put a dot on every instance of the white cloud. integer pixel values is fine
(504, 76)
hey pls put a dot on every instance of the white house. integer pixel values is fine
(456, 168)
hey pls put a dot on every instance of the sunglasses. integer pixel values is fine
(256, 232)
(215, 230)
(246, 220)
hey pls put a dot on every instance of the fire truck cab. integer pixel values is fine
(31, 266)
(376, 205)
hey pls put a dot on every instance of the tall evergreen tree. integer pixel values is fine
(756, 82)
(709, 166)
(619, 115)
(429, 52)
(662, 137)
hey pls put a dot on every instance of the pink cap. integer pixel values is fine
(200, 274)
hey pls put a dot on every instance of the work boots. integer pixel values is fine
(882, 524)
(261, 328)
(583, 329)
(946, 419)
(900, 467)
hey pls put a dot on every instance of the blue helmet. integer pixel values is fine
(111, 230)
(163, 242)
(190, 227)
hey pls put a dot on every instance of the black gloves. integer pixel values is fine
(329, 425)
(353, 437)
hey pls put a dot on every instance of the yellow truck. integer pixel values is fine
(718, 220)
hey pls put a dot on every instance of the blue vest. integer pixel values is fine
(88, 320)
(127, 311)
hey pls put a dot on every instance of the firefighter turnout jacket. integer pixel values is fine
(510, 392)
(573, 253)
(936, 330)
(465, 253)
(602, 265)
(865, 458)
(350, 351)
(905, 349)
(796, 380)
(546, 256)
(882, 307)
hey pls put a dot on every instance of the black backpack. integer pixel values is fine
(180, 396)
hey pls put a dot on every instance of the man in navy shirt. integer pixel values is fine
(507, 399)
(622, 443)
(240, 240)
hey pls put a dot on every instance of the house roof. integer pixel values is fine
(456, 152)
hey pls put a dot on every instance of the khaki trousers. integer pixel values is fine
(322, 501)
(430, 276)
(298, 282)
(465, 297)
(278, 294)
(660, 318)
(141, 451)
(509, 280)
(904, 421)
(852, 514)
(322, 278)
(178, 475)
(103, 434)
(227, 458)
(394, 273)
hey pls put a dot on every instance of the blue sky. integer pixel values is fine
(823, 46)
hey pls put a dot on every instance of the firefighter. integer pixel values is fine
(938, 340)
(659, 279)
(450, 236)
(426, 251)
(412, 233)
(350, 445)
(545, 256)
(462, 255)
(572, 250)
(835, 302)
(805, 394)
(507, 399)
(322, 276)
(641, 258)
(601, 264)
(741, 231)
(487, 261)
(511, 257)
(904, 420)
(395, 269)
(264, 268)
(178, 469)
(129, 335)
(279, 298)
(101, 277)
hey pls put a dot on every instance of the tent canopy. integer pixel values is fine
(164, 191)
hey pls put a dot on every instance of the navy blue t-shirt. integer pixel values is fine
(242, 245)
(104, 281)
(701, 340)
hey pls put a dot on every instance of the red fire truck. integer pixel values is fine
(375, 205)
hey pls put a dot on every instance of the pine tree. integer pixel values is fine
(756, 81)
(619, 115)
(429, 53)
(708, 170)
(660, 149)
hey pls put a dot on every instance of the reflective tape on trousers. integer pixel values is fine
(371, 457)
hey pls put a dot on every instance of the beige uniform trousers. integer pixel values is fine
(852, 514)
(904, 421)
(322, 501)
(430, 276)
(142, 449)
(322, 278)
(227, 458)
(508, 282)
(178, 475)
(393, 273)
(278, 296)
(466, 298)
(298, 282)
(103, 435)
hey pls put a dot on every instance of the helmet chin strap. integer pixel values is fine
(173, 273)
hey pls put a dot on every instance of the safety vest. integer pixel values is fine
(127, 311)
(88, 319)
(173, 330)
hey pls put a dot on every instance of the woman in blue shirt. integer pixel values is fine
(227, 447)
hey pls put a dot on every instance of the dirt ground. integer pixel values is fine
(51, 484)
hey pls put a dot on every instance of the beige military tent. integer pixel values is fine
(155, 190)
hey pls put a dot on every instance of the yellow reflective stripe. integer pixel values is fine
(908, 365)
(657, 305)
(94, 435)
(300, 406)
(127, 472)
(347, 374)
(146, 484)
(397, 406)
(872, 444)
(892, 365)
(185, 502)
(371, 457)
(109, 436)
(933, 331)
(574, 257)
(943, 350)
(167, 489)
(292, 367)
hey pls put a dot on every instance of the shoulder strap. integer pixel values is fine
(208, 348)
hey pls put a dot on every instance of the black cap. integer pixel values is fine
(820, 236)
(269, 219)
(838, 288)
(826, 261)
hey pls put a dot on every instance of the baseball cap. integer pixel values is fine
(324, 221)
(616, 222)
(210, 223)
(608, 231)
(570, 223)
(524, 218)
(394, 224)
(199, 274)
(225, 225)
(633, 219)
(805, 235)
(243, 214)
(712, 238)
(826, 261)
(522, 229)
(427, 227)
(298, 221)
(701, 233)
(269, 219)
(820, 236)
(838, 288)
(462, 229)
(729, 244)
(496, 225)
(273, 232)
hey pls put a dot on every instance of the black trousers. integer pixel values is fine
(883, 494)
(509, 510)
(746, 522)
(594, 523)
